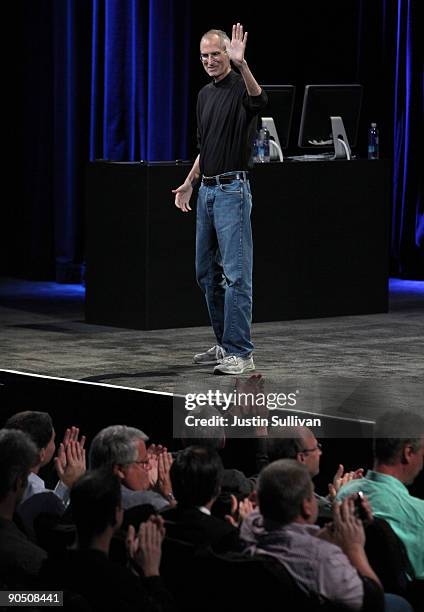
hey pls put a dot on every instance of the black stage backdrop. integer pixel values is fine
(118, 80)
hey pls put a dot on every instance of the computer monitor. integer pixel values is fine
(321, 105)
(280, 109)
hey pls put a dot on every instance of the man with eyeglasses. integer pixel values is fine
(227, 110)
(300, 443)
(123, 450)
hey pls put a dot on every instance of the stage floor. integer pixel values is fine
(354, 366)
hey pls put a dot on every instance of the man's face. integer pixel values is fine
(415, 462)
(48, 451)
(136, 473)
(311, 453)
(310, 507)
(314, 507)
(214, 58)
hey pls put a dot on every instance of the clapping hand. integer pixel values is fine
(145, 547)
(341, 478)
(248, 405)
(70, 462)
(239, 510)
(160, 462)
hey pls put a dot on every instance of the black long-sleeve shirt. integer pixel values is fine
(226, 125)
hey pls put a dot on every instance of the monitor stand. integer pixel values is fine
(340, 141)
(276, 152)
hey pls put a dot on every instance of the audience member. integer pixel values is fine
(123, 450)
(398, 459)
(196, 476)
(20, 559)
(98, 514)
(234, 482)
(331, 563)
(300, 443)
(70, 461)
(69, 464)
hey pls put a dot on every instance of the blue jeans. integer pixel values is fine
(224, 261)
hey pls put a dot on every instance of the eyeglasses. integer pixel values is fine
(143, 462)
(311, 450)
(214, 55)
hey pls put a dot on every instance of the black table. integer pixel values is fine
(320, 243)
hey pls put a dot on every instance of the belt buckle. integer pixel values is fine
(229, 177)
(216, 180)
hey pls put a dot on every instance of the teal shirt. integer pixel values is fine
(391, 501)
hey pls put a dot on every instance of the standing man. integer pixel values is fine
(227, 110)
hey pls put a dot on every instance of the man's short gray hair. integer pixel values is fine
(115, 445)
(283, 486)
(223, 37)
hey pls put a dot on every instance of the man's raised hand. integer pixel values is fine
(238, 45)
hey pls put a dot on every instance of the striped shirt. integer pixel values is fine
(318, 567)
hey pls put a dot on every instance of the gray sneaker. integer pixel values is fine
(213, 356)
(232, 364)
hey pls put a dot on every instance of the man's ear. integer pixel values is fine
(117, 469)
(406, 454)
(300, 457)
(118, 518)
(20, 483)
(42, 455)
(306, 510)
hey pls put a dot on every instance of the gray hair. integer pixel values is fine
(18, 454)
(283, 486)
(223, 37)
(117, 444)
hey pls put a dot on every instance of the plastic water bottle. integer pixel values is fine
(259, 147)
(263, 145)
(373, 145)
(255, 152)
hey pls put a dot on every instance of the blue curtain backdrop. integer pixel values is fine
(390, 67)
(110, 79)
(102, 79)
(139, 79)
(407, 239)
